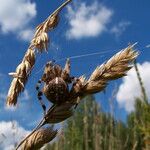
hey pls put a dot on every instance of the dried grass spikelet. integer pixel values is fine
(20, 77)
(59, 113)
(116, 67)
(40, 41)
(39, 138)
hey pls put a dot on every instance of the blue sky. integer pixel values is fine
(85, 27)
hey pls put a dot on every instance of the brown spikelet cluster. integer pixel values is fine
(116, 67)
(41, 39)
(39, 42)
(20, 77)
(39, 138)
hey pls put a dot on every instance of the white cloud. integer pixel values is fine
(16, 15)
(87, 21)
(10, 134)
(26, 34)
(130, 88)
(118, 29)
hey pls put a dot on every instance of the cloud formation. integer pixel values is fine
(130, 89)
(15, 17)
(118, 29)
(26, 34)
(10, 134)
(87, 20)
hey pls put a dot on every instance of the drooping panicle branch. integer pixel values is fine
(39, 42)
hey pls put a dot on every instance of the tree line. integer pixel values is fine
(92, 129)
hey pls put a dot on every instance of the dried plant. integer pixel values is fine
(57, 83)
(39, 138)
(20, 77)
(39, 42)
(55, 114)
(116, 67)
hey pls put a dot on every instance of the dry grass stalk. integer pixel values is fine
(40, 42)
(39, 138)
(116, 67)
(143, 91)
(55, 114)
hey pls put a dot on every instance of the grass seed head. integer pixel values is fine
(116, 67)
(40, 42)
(39, 139)
(20, 77)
